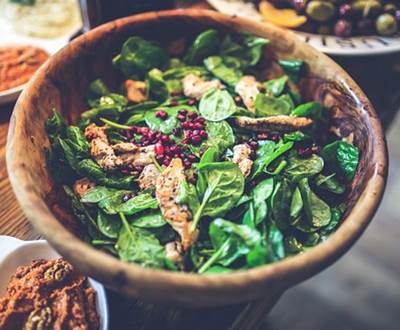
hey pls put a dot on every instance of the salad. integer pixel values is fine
(199, 163)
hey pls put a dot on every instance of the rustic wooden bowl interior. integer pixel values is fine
(62, 83)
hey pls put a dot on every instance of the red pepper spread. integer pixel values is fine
(48, 295)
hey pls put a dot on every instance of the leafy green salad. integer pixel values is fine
(199, 163)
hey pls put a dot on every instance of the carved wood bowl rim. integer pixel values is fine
(182, 288)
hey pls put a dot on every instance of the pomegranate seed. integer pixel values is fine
(160, 158)
(143, 130)
(158, 136)
(159, 149)
(196, 132)
(181, 155)
(125, 171)
(167, 150)
(145, 143)
(183, 112)
(180, 117)
(262, 136)
(204, 134)
(192, 115)
(196, 140)
(165, 139)
(253, 154)
(187, 164)
(198, 126)
(166, 162)
(173, 103)
(191, 158)
(185, 141)
(127, 197)
(162, 114)
(190, 125)
(200, 120)
(275, 137)
(175, 93)
(177, 131)
(128, 134)
(139, 168)
(253, 183)
(192, 102)
(238, 99)
(185, 125)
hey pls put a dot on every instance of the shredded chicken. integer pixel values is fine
(167, 188)
(121, 154)
(82, 186)
(195, 87)
(148, 177)
(279, 124)
(135, 90)
(173, 251)
(248, 88)
(130, 154)
(241, 156)
(100, 148)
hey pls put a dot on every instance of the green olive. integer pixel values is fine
(367, 7)
(320, 11)
(386, 25)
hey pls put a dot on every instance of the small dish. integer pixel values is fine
(15, 253)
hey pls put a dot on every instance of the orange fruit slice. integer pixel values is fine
(287, 18)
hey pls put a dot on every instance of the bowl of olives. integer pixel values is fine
(336, 27)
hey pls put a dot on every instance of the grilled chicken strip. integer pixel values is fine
(248, 88)
(82, 186)
(167, 189)
(195, 87)
(241, 156)
(275, 124)
(135, 90)
(100, 148)
(148, 177)
(118, 155)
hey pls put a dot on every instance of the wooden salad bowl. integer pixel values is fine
(62, 83)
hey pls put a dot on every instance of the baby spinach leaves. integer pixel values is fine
(225, 185)
(225, 68)
(206, 44)
(342, 157)
(299, 168)
(157, 86)
(292, 68)
(276, 87)
(220, 135)
(217, 105)
(311, 109)
(272, 106)
(138, 56)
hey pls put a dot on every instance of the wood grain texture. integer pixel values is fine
(61, 84)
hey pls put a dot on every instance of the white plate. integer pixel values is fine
(10, 37)
(15, 253)
(354, 46)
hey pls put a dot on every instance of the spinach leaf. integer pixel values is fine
(75, 135)
(296, 137)
(55, 125)
(230, 242)
(151, 220)
(220, 135)
(311, 109)
(108, 225)
(267, 153)
(258, 256)
(341, 157)
(157, 87)
(180, 72)
(275, 243)
(138, 56)
(225, 186)
(271, 106)
(292, 68)
(261, 192)
(277, 86)
(296, 204)
(204, 45)
(188, 195)
(139, 246)
(299, 168)
(337, 213)
(317, 211)
(225, 68)
(280, 203)
(96, 90)
(218, 270)
(209, 156)
(330, 183)
(217, 105)
(249, 217)
(138, 203)
(97, 194)
(292, 245)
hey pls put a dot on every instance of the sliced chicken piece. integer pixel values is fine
(173, 251)
(195, 87)
(248, 88)
(275, 124)
(100, 148)
(241, 156)
(167, 188)
(135, 90)
(82, 186)
(130, 154)
(148, 177)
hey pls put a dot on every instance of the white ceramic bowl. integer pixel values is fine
(15, 253)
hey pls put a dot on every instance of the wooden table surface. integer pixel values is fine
(361, 291)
